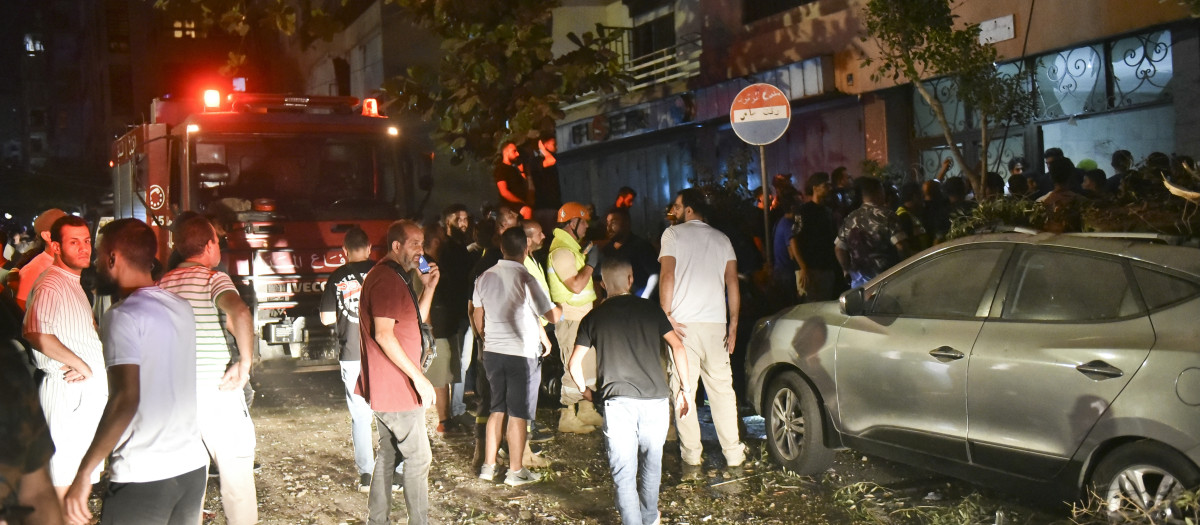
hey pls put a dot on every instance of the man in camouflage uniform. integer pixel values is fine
(871, 239)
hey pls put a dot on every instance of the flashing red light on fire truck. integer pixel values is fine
(212, 99)
(370, 107)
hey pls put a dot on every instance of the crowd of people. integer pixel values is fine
(453, 309)
(153, 387)
(841, 233)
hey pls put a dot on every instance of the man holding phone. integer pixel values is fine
(392, 380)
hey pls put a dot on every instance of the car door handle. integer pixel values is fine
(1099, 370)
(945, 353)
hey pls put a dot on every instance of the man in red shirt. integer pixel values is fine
(391, 379)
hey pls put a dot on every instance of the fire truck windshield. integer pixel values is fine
(309, 177)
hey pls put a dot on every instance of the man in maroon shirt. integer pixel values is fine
(391, 379)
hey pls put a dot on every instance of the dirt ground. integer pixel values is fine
(308, 476)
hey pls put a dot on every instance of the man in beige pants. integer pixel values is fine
(699, 283)
(570, 281)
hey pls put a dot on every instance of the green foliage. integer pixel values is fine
(498, 79)
(875, 504)
(1095, 512)
(918, 39)
(238, 18)
(885, 172)
(733, 174)
(998, 214)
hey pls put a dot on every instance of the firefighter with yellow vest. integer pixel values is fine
(570, 280)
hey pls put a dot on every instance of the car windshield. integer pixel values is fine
(307, 176)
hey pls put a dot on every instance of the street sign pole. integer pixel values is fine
(760, 114)
(768, 237)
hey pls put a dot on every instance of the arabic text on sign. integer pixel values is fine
(766, 113)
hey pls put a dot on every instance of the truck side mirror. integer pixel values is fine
(851, 302)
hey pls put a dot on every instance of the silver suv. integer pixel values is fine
(1060, 363)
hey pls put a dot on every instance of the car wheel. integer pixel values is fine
(1143, 479)
(794, 426)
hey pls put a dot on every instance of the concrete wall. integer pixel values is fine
(582, 17)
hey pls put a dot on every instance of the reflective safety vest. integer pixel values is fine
(559, 293)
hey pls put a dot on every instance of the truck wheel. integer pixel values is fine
(794, 426)
(1143, 480)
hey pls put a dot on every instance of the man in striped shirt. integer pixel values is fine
(221, 408)
(59, 325)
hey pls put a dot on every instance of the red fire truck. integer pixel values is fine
(287, 176)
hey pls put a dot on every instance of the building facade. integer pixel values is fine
(1106, 75)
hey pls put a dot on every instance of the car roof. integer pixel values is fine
(1153, 249)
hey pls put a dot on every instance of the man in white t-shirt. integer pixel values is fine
(60, 326)
(221, 407)
(699, 292)
(508, 303)
(158, 466)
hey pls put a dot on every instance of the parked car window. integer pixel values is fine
(950, 285)
(1053, 285)
(1160, 289)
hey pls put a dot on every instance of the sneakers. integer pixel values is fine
(521, 477)
(487, 472)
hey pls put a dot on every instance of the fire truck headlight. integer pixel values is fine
(393, 131)
(193, 128)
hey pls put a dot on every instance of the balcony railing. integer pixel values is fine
(676, 62)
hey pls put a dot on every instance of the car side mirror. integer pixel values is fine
(852, 302)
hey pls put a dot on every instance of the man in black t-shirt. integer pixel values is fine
(623, 243)
(339, 307)
(812, 244)
(542, 169)
(511, 183)
(626, 332)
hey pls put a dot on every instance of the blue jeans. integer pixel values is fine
(634, 432)
(360, 419)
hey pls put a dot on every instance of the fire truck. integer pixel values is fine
(286, 177)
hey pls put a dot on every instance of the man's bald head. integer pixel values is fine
(617, 275)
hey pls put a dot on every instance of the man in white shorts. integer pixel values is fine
(157, 472)
(224, 418)
(59, 325)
